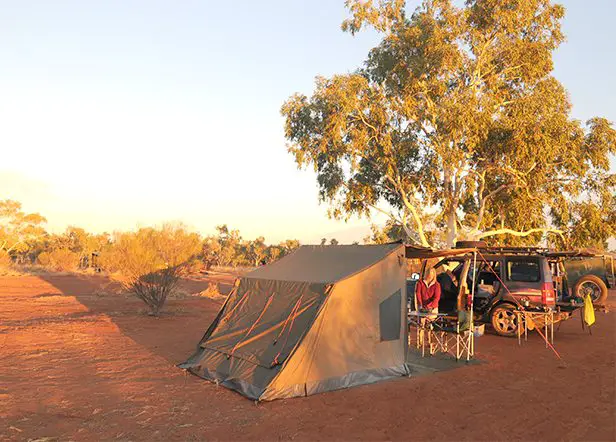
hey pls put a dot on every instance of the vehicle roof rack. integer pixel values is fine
(518, 250)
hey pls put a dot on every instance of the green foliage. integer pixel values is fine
(389, 233)
(591, 222)
(454, 124)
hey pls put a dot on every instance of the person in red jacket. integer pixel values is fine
(429, 292)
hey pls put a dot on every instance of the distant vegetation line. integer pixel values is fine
(25, 241)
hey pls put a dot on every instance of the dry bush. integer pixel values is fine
(59, 260)
(150, 262)
(5, 260)
(155, 287)
(6, 265)
(195, 267)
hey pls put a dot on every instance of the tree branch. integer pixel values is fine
(482, 206)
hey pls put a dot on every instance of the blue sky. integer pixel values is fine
(117, 114)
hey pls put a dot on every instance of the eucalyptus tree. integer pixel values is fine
(454, 123)
(20, 232)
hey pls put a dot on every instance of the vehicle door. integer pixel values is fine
(487, 285)
(524, 277)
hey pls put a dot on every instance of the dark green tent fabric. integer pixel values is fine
(272, 310)
(264, 320)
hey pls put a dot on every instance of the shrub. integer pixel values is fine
(149, 262)
(59, 259)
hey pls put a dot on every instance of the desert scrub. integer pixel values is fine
(150, 262)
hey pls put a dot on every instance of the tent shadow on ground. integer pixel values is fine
(173, 335)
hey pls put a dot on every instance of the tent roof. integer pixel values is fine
(323, 264)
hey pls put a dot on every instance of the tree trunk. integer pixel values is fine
(450, 209)
(452, 227)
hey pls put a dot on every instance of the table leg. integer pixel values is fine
(519, 330)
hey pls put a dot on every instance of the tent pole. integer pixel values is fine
(472, 324)
(420, 334)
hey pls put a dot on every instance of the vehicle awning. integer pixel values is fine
(416, 252)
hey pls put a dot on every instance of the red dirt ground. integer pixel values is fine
(78, 364)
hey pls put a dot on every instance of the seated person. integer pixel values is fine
(428, 292)
(448, 282)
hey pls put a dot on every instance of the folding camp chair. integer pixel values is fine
(455, 336)
(423, 322)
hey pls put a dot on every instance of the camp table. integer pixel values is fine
(546, 318)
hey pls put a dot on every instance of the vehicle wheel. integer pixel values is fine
(504, 321)
(471, 244)
(591, 285)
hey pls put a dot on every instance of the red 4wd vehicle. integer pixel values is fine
(527, 277)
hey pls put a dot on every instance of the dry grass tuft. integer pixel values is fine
(212, 292)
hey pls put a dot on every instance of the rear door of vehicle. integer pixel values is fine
(524, 276)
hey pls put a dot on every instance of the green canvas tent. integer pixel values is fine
(319, 319)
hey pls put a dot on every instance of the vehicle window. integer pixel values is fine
(446, 266)
(523, 271)
(486, 272)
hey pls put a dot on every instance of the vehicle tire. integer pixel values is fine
(593, 285)
(471, 244)
(504, 321)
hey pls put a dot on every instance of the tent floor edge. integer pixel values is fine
(357, 378)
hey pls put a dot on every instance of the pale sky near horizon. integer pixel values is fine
(124, 113)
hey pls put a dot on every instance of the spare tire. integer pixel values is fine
(471, 245)
(593, 286)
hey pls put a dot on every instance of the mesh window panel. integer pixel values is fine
(390, 312)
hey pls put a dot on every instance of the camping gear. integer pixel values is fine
(321, 318)
(533, 320)
(446, 335)
(589, 311)
(479, 330)
(441, 332)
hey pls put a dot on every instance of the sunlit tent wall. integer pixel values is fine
(319, 319)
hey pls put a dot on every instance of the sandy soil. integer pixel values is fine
(77, 363)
